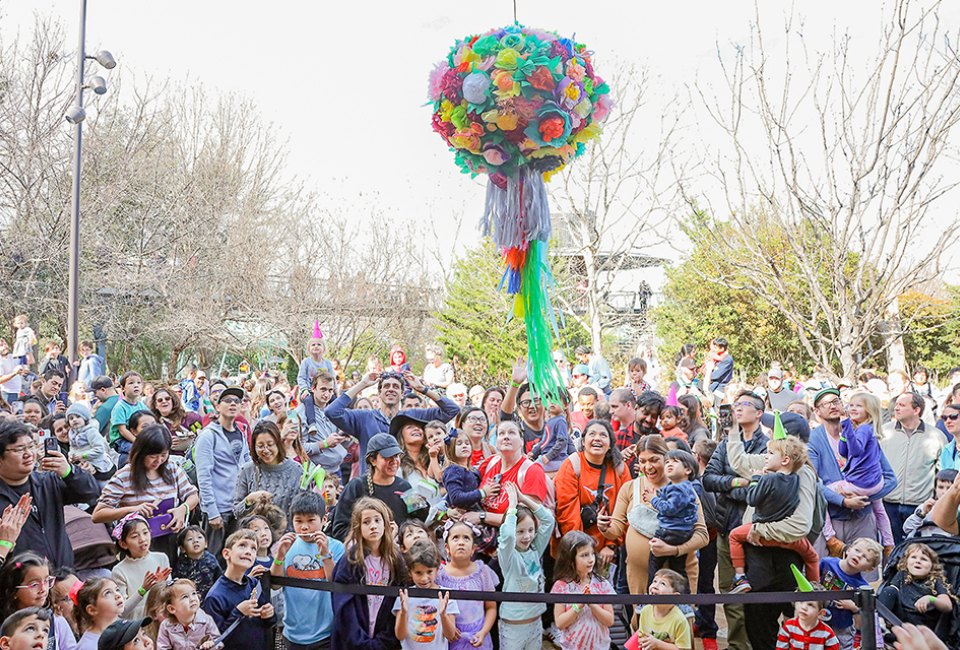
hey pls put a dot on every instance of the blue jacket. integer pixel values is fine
(217, 470)
(363, 424)
(825, 463)
(676, 505)
(351, 616)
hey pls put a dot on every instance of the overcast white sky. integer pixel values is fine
(345, 82)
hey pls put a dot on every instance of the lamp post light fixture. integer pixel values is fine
(75, 116)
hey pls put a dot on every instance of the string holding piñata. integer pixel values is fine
(517, 104)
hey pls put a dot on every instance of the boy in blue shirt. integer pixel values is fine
(237, 596)
(307, 553)
(838, 574)
(121, 438)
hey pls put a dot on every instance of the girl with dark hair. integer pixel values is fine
(581, 502)
(25, 581)
(697, 428)
(147, 480)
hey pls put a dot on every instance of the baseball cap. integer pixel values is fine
(383, 444)
(775, 373)
(236, 391)
(580, 369)
(823, 392)
(121, 632)
(101, 382)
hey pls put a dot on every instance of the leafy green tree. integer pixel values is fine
(473, 327)
(933, 336)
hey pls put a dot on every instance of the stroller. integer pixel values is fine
(93, 549)
(948, 550)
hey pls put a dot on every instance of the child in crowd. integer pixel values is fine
(196, 563)
(307, 553)
(775, 497)
(153, 607)
(54, 360)
(120, 437)
(86, 443)
(919, 523)
(425, 622)
(24, 340)
(663, 627)
(462, 573)
(314, 363)
(919, 593)
(235, 595)
(582, 627)
(127, 635)
(555, 444)
(63, 596)
(139, 569)
(99, 603)
(636, 370)
(27, 629)
(410, 532)
(840, 574)
(184, 625)
(461, 480)
(25, 581)
(673, 421)
(676, 506)
(331, 488)
(863, 472)
(261, 528)
(371, 558)
(524, 535)
(706, 614)
(805, 629)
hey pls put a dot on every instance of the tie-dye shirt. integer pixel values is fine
(586, 633)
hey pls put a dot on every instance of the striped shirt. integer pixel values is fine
(120, 493)
(792, 636)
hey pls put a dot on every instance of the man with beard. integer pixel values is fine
(850, 516)
(363, 424)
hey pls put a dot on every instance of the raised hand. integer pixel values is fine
(519, 374)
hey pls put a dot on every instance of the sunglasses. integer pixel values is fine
(951, 417)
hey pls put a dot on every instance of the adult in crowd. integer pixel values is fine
(437, 373)
(276, 405)
(491, 403)
(638, 531)
(55, 484)
(34, 411)
(697, 428)
(770, 566)
(149, 479)
(220, 451)
(949, 457)
(850, 516)
(509, 465)
(473, 422)
(106, 398)
(381, 482)
(588, 485)
(779, 397)
(587, 399)
(913, 448)
(182, 425)
(363, 424)
(520, 403)
(598, 369)
(269, 476)
(322, 440)
(420, 462)
(721, 478)
(50, 391)
(623, 415)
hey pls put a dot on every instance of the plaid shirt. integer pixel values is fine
(626, 436)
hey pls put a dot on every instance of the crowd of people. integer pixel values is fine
(140, 514)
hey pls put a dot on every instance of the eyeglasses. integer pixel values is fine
(828, 403)
(526, 403)
(951, 417)
(746, 403)
(162, 400)
(22, 450)
(475, 418)
(230, 400)
(37, 585)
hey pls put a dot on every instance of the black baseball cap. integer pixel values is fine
(101, 382)
(121, 632)
(235, 391)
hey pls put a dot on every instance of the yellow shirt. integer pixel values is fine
(672, 628)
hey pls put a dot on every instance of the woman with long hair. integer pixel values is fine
(169, 411)
(150, 478)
